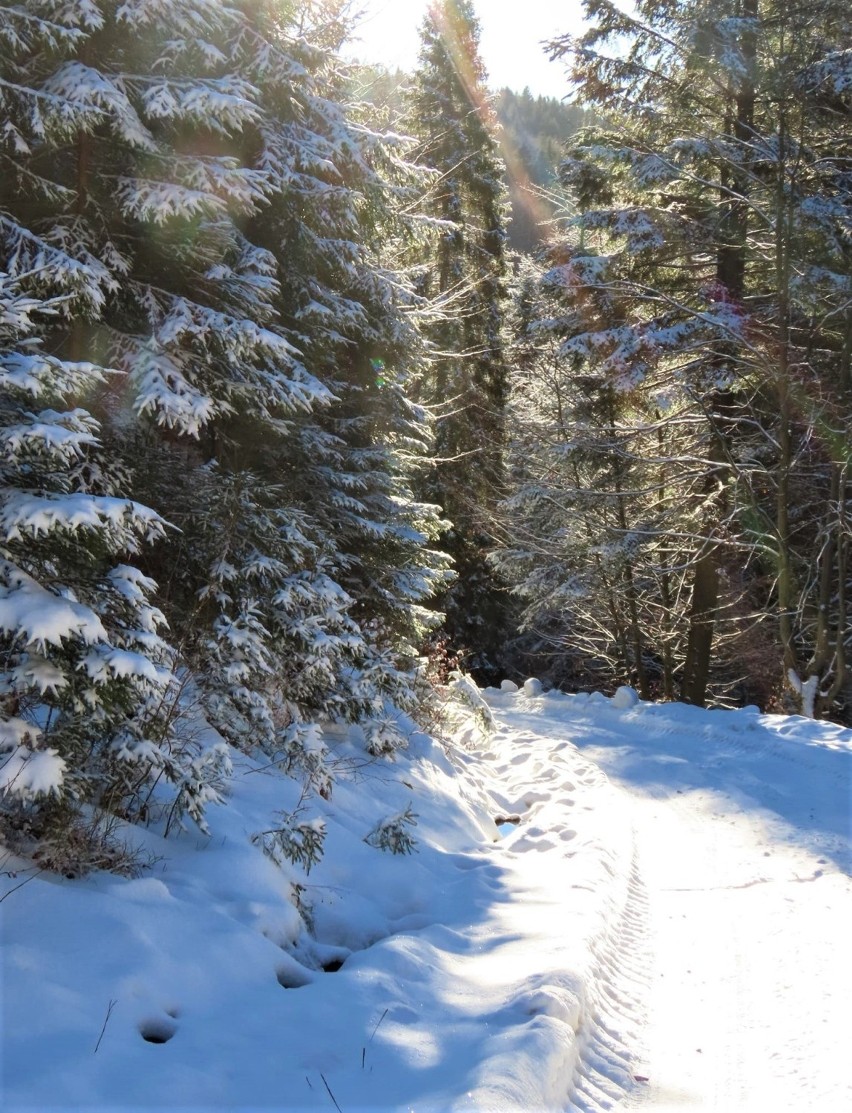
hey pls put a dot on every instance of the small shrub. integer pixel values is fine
(384, 738)
(441, 660)
(392, 834)
(73, 843)
(305, 752)
(297, 840)
(465, 694)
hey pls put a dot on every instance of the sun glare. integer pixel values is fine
(388, 32)
(512, 51)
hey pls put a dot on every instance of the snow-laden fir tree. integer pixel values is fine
(312, 563)
(84, 667)
(335, 230)
(145, 145)
(83, 664)
(465, 268)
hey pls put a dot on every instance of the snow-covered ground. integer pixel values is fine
(662, 924)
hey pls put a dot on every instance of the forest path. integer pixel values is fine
(612, 906)
(749, 989)
(739, 914)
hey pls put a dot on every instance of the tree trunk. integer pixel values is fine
(665, 579)
(702, 625)
(77, 340)
(636, 640)
(730, 277)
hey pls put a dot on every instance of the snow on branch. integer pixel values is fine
(39, 618)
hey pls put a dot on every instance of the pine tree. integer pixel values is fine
(308, 561)
(452, 116)
(347, 466)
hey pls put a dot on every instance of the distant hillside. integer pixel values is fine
(534, 131)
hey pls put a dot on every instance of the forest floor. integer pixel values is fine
(611, 905)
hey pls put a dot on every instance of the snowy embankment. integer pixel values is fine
(670, 932)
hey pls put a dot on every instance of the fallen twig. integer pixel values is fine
(364, 1049)
(24, 882)
(110, 1007)
(330, 1094)
(378, 1022)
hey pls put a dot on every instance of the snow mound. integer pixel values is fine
(625, 698)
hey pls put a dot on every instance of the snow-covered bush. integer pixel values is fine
(383, 737)
(625, 697)
(305, 754)
(392, 833)
(298, 840)
(465, 696)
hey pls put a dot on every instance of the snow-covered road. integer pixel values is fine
(749, 1002)
(663, 926)
(741, 836)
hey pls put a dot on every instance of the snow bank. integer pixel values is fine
(457, 976)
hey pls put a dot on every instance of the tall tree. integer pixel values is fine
(586, 518)
(85, 670)
(189, 250)
(709, 207)
(452, 116)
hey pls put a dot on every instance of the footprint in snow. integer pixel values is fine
(293, 976)
(158, 1029)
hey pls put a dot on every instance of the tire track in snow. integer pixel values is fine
(744, 999)
(610, 1067)
(615, 981)
(738, 1018)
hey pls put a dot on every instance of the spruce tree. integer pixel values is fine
(453, 118)
(84, 668)
(352, 313)
(306, 560)
(187, 228)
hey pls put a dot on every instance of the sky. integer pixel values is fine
(512, 31)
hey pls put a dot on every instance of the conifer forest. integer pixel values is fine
(320, 383)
